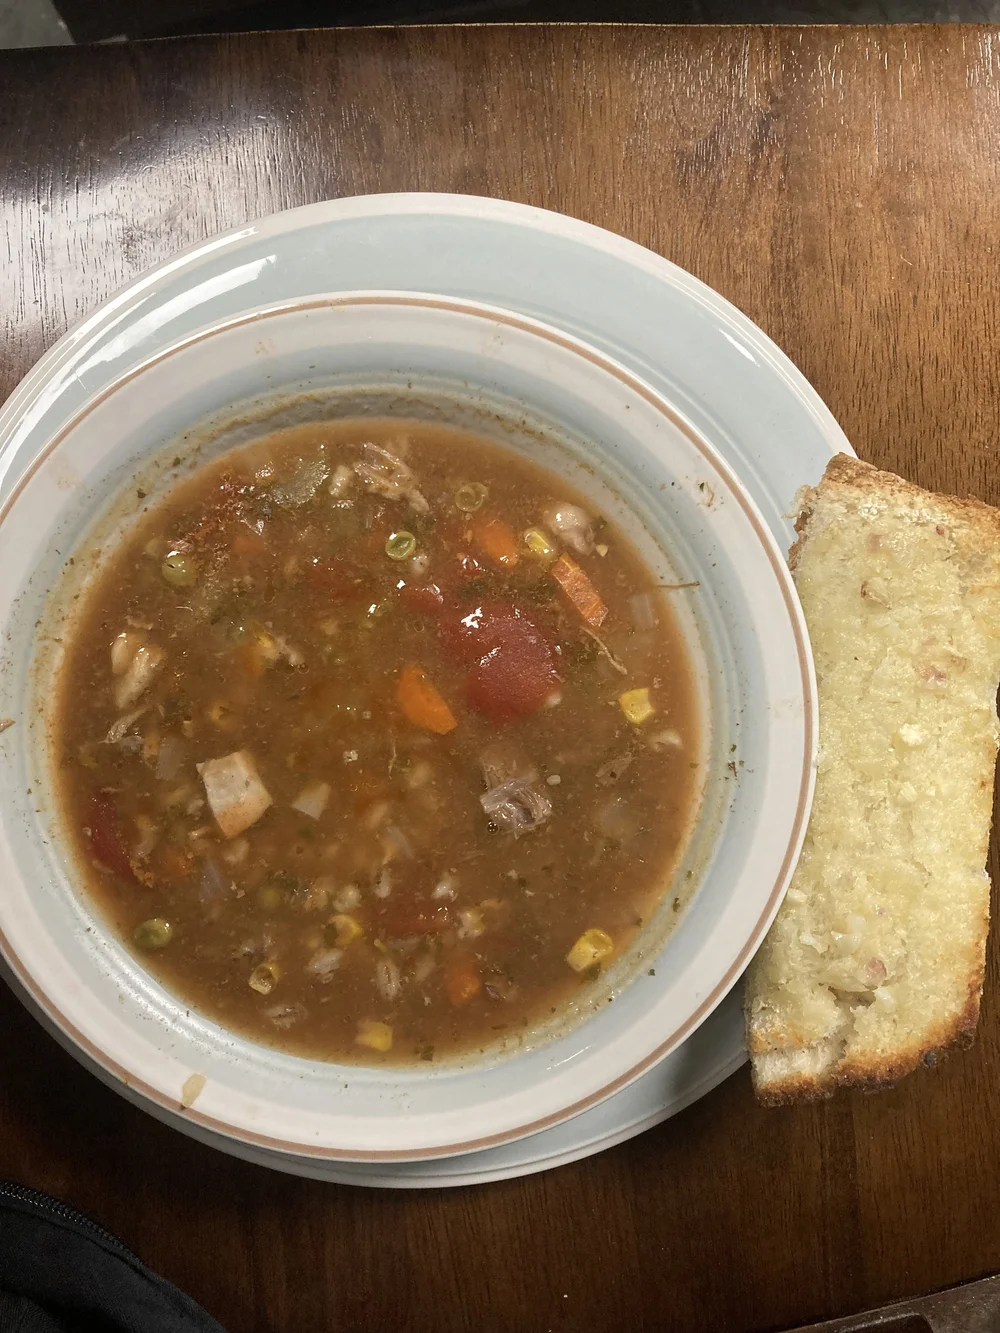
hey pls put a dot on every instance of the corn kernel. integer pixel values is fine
(538, 544)
(348, 928)
(376, 1036)
(264, 978)
(593, 946)
(266, 645)
(636, 705)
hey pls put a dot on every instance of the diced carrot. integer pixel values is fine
(579, 590)
(496, 540)
(420, 701)
(425, 597)
(461, 981)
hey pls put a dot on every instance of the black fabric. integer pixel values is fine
(60, 1273)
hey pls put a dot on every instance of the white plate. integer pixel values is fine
(739, 391)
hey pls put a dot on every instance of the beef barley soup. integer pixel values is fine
(376, 742)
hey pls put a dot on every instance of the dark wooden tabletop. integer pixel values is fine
(842, 186)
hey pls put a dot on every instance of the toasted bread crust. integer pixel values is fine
(875, 1076)
(790, 1063)
(978, 521)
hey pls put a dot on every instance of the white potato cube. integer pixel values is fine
(236, 795)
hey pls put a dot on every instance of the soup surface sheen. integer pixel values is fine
(377, 743)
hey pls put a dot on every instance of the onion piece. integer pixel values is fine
(214, 884)
(471, 924)
(284, 1015)
(123, 649)
(236, 852)
(341, 481)
(348, 897)
(398, 842)
(286, 650)
(375, 814)
(324, 963)
(170, 759)
(388, 981)
(613, 769)
(121, 727)
(382, 887)
(423, 966)
(302, 485)
(616, 819)
(138, 676)
(666, 740)
(312, 799)
(642, 608)
(445, 887)
(149, 836)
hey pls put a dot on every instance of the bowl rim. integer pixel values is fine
(713, 459)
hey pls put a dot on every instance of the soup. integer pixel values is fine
(377, 743)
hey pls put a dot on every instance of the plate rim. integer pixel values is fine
(527, 216)
(120, 308)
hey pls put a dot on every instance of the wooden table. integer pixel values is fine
(842, 186)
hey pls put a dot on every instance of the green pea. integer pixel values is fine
(156, 933)
(400, 545)
(470, 496)
(179, 570)
(269, 897)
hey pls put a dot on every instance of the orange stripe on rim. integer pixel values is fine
(220, 1127)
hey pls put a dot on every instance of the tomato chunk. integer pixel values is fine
(472, 629)
(106, 841)
(515, 665)
(421, 597)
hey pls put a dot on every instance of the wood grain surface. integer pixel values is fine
(841, 186)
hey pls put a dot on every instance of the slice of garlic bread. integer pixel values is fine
(875, 961)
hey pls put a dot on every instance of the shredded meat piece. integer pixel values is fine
(515, 805)
(388, 475)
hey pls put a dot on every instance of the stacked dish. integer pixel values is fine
(644, 391)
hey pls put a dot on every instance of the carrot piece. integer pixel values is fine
(461, 981)
(579, 590)
(496, 540)
(421, 702)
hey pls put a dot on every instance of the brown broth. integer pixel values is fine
(289, 643)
